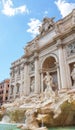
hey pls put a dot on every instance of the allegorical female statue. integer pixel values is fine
(49, 82)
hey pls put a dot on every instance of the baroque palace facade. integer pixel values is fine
(53, 51)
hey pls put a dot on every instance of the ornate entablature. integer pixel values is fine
(70, 49)
(47, 25)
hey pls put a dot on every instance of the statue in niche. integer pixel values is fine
(32, 85)
(49, 82)
(47, 24)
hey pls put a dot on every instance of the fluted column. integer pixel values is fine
(4, 93)
(21, 87)
(9, 90)
(37, 74)
(41, 82)
(58, 76)
(68, 75)
(61, 64)
(26, 78)
(14, 92)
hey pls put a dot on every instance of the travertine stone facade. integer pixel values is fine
(53, 50)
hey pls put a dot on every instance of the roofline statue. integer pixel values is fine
(47, 24)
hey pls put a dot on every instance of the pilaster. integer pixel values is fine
(14, 92)
(61, 64)
(26, 78)
(67, 70)
(58, 75)
(37, 74)
(41, 81)
(21, 87)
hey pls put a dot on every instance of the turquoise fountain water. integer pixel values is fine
(8, 127)
(13, 127)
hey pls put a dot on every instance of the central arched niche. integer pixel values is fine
(49, 65)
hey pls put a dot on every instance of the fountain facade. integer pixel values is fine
(52, 51)
(42, 81)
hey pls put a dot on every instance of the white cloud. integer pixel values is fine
(34, 26)
(64, 7)
(8, 8)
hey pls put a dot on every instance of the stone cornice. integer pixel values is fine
(65, 33)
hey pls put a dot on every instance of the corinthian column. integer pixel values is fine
(26, 78)
(41, 81)
(61, 64)
(21, 87)
(15, 83)
(37, 74)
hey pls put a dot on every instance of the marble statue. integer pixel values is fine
(49, 82)
(47, 24)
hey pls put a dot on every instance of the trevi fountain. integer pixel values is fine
(42, 111)
(52, 108)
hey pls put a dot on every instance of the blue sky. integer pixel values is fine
(19, 22)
